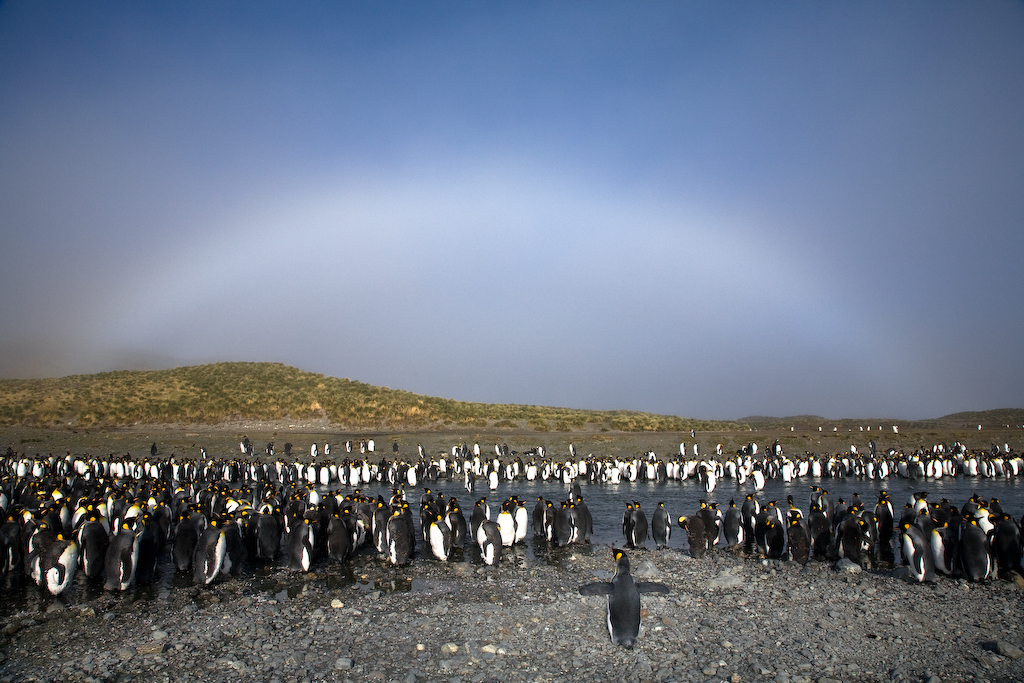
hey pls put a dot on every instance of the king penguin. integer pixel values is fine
(917, 552)
(696, 535)
(301, 545)
(774, 539)
(798, 541)
(943, 542)
(339, 538)
(638, 527)
(661, 526)
(268, 534)
(561, 528)
(1007, 543)
(732, 525)
(93, 540)
(975, 551)
(477, 517)
(623, 615)
(489, 540)
(507, 525)
(457, 523)
(399, 538)
(58, 564)
(209, 553)
(122, 557)
(439, 536)
(538, 516)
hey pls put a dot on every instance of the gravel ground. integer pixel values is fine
(728, 618)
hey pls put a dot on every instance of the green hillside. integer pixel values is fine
(224, 392)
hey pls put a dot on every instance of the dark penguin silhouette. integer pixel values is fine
(538, 516)
(638, 527)
(975, 552)
(1007, 544)
(623, 616)
(695, 535)
(399, 538)
(799, 541)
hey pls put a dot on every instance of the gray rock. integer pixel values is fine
(345, 663)
(848, 566)
(647, 570)
(725, 579)
(1004, 649)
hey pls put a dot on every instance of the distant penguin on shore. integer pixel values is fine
(661, 526)
(638, 527)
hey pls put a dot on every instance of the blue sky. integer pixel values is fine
(703, 209)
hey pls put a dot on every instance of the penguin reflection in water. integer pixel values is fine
(623, 616)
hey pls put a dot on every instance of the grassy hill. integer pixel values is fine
(224, 392)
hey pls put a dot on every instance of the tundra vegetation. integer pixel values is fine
(224, 392)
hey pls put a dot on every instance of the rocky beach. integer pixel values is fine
(728, 618)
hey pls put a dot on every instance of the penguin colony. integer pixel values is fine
(114, 517)
(977, 541)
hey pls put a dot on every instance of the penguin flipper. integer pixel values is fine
(651, 587)
(597, 588)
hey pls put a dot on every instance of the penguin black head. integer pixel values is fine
(622, 561)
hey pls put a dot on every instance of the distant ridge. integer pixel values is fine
(965, 420)
(272, 392)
